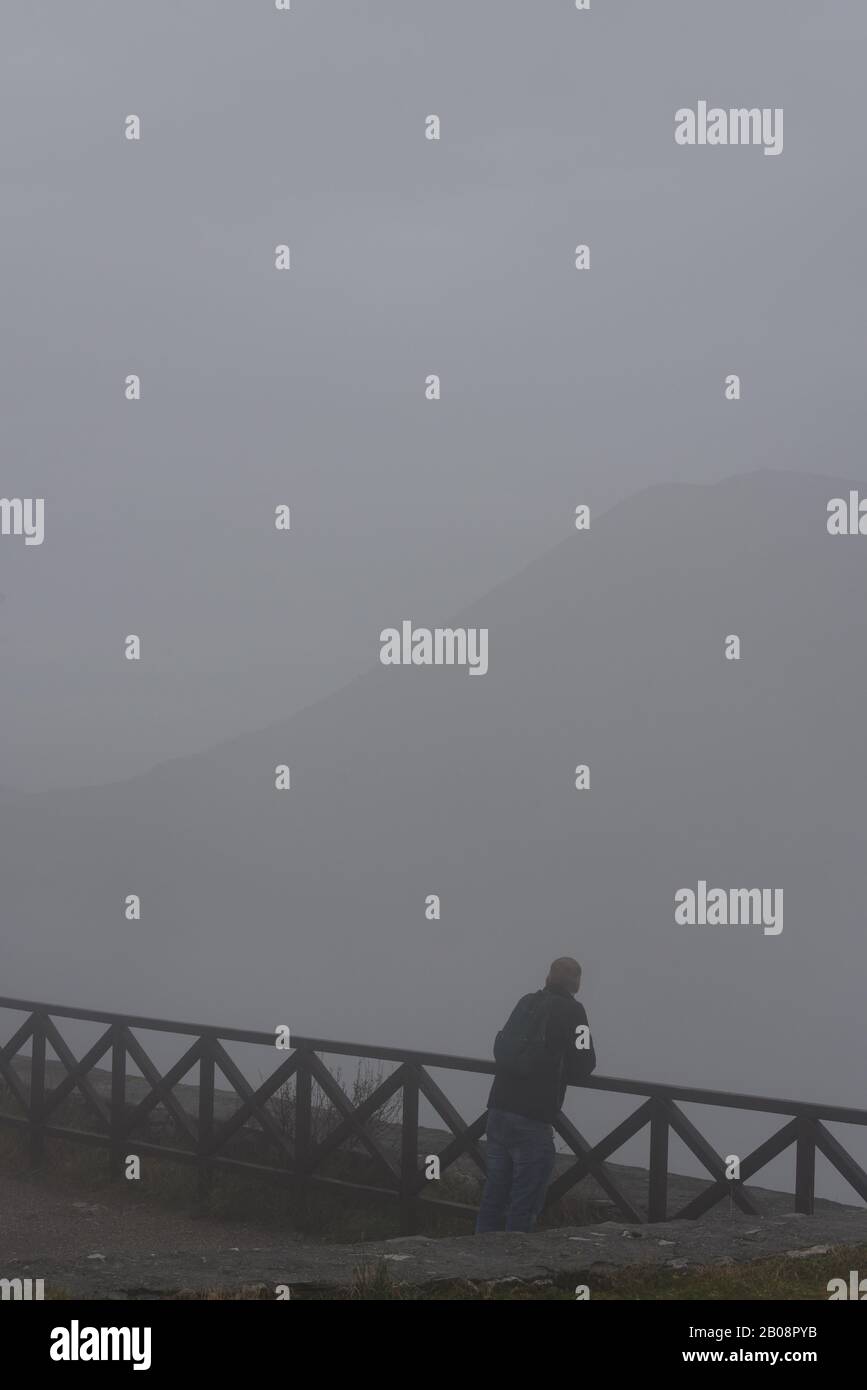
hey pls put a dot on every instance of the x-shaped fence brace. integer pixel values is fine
(302, 1156)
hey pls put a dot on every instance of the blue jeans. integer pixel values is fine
(519, 1156)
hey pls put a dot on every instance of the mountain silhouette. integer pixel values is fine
(307, 906)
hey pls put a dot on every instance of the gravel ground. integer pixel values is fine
(112, 1249)
(41, 1223)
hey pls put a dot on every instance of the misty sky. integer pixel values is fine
(409, 257)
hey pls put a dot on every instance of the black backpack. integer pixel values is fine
(519, 1047)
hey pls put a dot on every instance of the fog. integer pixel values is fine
(306, 388)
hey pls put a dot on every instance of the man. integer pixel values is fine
(544, 1046)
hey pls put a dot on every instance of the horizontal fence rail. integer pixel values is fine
(298, 1154)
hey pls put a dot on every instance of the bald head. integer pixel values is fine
(565, 973)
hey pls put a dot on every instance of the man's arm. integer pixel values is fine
(579, 1062)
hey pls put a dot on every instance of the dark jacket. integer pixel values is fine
(541, 1098)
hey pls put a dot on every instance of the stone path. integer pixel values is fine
(138, 1262)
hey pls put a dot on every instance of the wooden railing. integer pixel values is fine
(302, 1155)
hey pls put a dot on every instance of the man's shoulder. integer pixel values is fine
(524, 1006)
(567, 1009)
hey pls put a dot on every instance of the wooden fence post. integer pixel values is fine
(207, 1053)
(37, 1091)
(118, 1102)
(303, 1127)
(657, 1199)
(805, 1165)
(409, 1152)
